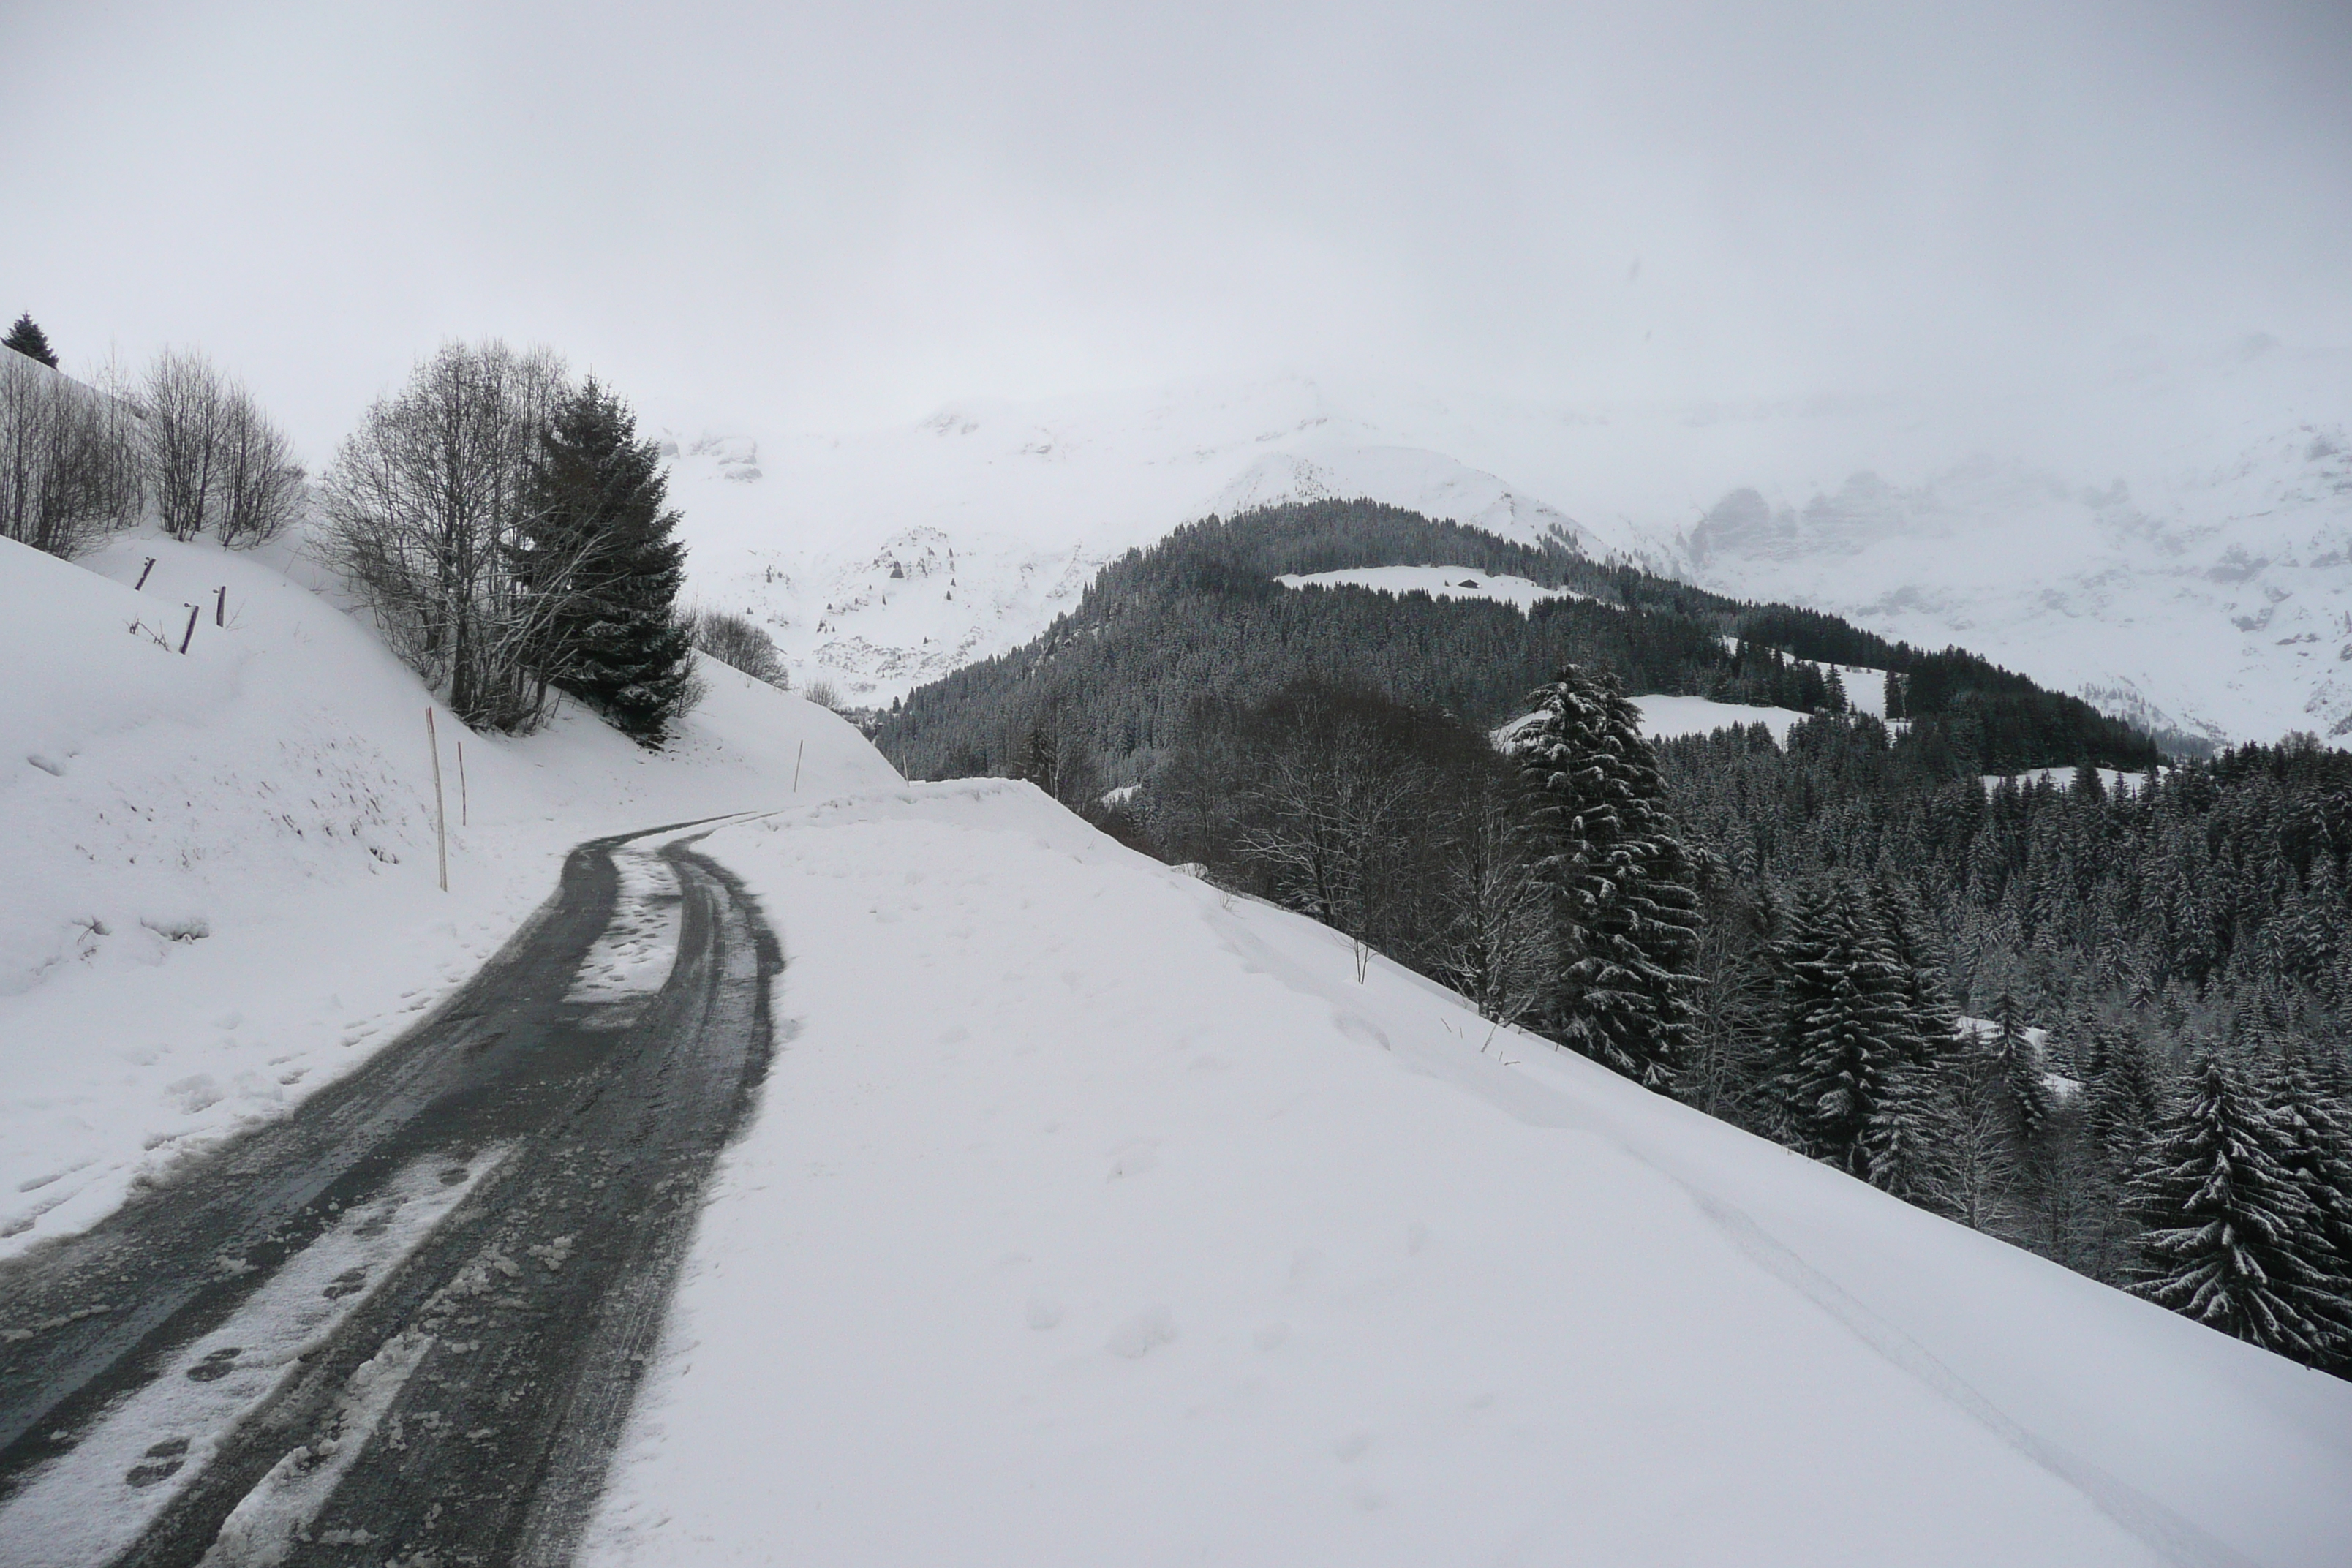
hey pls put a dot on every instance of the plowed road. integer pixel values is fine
(406, 1323)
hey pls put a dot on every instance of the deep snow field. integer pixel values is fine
(1095, 1216)
(1088, 1215)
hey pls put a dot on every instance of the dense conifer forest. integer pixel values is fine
(2104, 1021)
(1200, 615)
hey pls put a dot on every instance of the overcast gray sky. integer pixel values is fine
(845, 214)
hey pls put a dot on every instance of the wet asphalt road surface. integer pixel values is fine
(403, 1325)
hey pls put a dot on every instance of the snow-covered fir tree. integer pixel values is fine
(1855, 1077)
(2229, 1230)
(2318, 1134)
(2024, 1089)
(600, 552)
(1629, 908)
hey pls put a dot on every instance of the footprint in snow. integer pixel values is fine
(1142, 1333)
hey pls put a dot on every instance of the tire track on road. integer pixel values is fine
(485, 1377)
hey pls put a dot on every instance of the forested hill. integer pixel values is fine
(1200, 615)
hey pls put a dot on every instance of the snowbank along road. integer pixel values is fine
(406, 1322)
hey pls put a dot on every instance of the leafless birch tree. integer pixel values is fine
(425, 508)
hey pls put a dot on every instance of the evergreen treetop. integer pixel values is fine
(27, 339)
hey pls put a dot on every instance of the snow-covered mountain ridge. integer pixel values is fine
(2178, 548)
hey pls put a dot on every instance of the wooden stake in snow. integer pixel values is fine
(142, 574)
(464, 812)
(189, 635)
(220, 606)
(797, 766)
(440, 814)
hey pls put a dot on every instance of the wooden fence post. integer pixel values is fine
(797, 766)
(189, 635)
(464, 812)
(142, 574)
(440, 814)
(220, 606)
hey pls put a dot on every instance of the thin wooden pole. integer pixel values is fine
(440, 813)
(220, 607)
(797, 766)
(189, 635)
(464, 812)
(142, 574)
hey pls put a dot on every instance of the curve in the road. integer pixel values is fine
(406, 1322)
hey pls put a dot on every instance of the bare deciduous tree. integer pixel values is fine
(424, 507)
(214, 459)
(736, 641)
(263, 485)
(68, 470)
(1497, 948)
(1326, 826)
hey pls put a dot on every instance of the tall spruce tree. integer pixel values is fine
(27, 339)
(1911, 936)
(2123, 1100)
(602, 561)
(2025, 1092)
(2318, 1155)
(1845, 1035)
(2229, 1228)
(1626, 894)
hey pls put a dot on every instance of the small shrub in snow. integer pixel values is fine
(736, 641)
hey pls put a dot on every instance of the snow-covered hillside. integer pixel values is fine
(218, 890)
(1093, 1216)
(2177, 546)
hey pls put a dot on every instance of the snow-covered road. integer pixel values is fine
(407, 1320)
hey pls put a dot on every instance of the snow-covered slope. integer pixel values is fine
(2174, 542)
(218, 888)
(1095, 1216)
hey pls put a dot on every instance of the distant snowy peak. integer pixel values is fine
(881, 561)
(731, 458)
(1427, 482)
(2181, 565)
(2214, 601)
